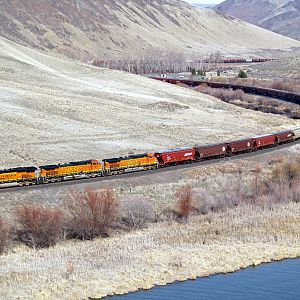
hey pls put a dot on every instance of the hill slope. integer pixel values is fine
(89, 29)
(281, 16)
(55, 110)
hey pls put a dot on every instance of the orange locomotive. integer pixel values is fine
(72, 170)
(20, 176)
(130, 164)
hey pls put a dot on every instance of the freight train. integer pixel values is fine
(278, 94)
(239, 60)
(113, 166)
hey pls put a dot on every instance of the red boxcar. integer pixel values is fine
(175, 156)
(284, 136)
(241, 146)
(264, 141)
(208, 151)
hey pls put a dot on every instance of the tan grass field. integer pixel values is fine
(55, 110)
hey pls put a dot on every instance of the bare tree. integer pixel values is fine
(185, 201)
(92, 212)
(39, 226)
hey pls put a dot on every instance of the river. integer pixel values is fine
(277, 280)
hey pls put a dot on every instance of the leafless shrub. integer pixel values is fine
(287, 170)
(168, 215)
(295, 192)
(136, 212)
(280, 192)
(226, 95)
(4, 235)
(70, 269)
(203, 200)
(92, 212)
(39, 226)
(185, 200)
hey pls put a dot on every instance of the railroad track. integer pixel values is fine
(277, 94)
(145, 173)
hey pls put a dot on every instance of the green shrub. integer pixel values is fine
(242, 74)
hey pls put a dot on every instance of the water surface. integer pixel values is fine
(278, 280)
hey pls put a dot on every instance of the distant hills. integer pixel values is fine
(91, 29)
(280, 16)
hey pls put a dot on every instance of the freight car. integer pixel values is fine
(114, 166)
(213, 151)
(177, 156)
(284, 137)
(241, 146)
(264, 141)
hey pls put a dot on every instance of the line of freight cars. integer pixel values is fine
(241, 60)
(114, 166)
(278, 94)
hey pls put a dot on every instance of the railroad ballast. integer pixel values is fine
(141, 162)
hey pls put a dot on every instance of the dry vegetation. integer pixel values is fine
(253, 102)
(4, 235)
(91, 213)
(203, 231)
(185, 201)
(39, 226)
(286, 66)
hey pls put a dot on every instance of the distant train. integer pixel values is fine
(240, 60)
(113, 166)
(278, 94)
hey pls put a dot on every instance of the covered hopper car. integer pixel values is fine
(241, 146)
(173, 157)
(212, 151)
(284, 136)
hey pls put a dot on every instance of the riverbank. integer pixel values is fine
(215, 243)
(276, 280)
